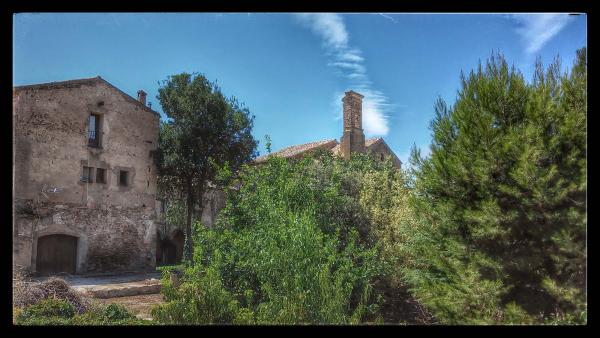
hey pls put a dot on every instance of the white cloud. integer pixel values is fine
(537, 29)
(356, 67)
(350, 55)
(374, 106)
(356, 76)
(348, 62)
(330, 27)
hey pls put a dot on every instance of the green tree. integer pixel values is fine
(204, 130)
(292, 246)
(502, 198)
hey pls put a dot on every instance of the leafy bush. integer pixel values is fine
(117, 312)
(48, 308)
(201, 300)
(60, 312)
(293, 245)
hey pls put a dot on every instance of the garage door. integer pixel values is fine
(56, 253)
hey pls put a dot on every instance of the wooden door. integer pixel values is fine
(56, 253)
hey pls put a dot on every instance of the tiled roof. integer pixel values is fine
(368, 144)
(65, 84)
(79, 82)
(297, 150)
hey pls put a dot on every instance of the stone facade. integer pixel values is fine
(84, 168)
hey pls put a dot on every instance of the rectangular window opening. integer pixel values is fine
(123, 179)
(94, 131)
(87, 175)
(100, 175)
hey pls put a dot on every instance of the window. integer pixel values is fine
(100, 175)
(123, 179)
(94, 131)
(87, 174)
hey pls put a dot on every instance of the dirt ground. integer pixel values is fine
(140, 305)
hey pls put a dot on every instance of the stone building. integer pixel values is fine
(352, 141)
(84, 183)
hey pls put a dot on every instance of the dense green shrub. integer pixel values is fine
(49, 307)
(60, 312)
(500, 230)
(117, 312)
(293, 245)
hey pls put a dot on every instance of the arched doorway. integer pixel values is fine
(168, 252)
(56, 254)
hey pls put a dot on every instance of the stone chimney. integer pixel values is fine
(353, 139)
(142, 97)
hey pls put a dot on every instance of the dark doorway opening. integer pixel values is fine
(169, 252)
(159, 250)
(165, 252)
(178, 240)
(56, 254)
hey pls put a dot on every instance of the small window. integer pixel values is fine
(87, 175)
(94, 131)
(100, 175)
(123, 179)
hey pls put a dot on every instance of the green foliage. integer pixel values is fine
(49, 307)
(201, 300)
(204, 131)
(500, 204)
(167, 269)
(60, 312)
(268, 143)
(489, 229)
(117, 312)
(293, 246)
(175, 213)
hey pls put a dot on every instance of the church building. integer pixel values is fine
(352, 141)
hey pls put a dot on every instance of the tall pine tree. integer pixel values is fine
(502, 198)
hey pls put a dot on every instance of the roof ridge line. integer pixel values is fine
(97, 78)
(59, 83)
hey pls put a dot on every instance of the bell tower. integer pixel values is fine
(353, 139)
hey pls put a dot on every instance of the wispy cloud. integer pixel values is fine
(348, 62)
(537, 29)
(330, 27)
(388, 17)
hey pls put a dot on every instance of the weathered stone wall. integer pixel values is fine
(110, 238)
(214, 201)
(380, 148)
(114, 224)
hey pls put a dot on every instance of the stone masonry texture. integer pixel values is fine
(114, 224)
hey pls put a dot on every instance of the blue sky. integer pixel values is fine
(291, 70)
